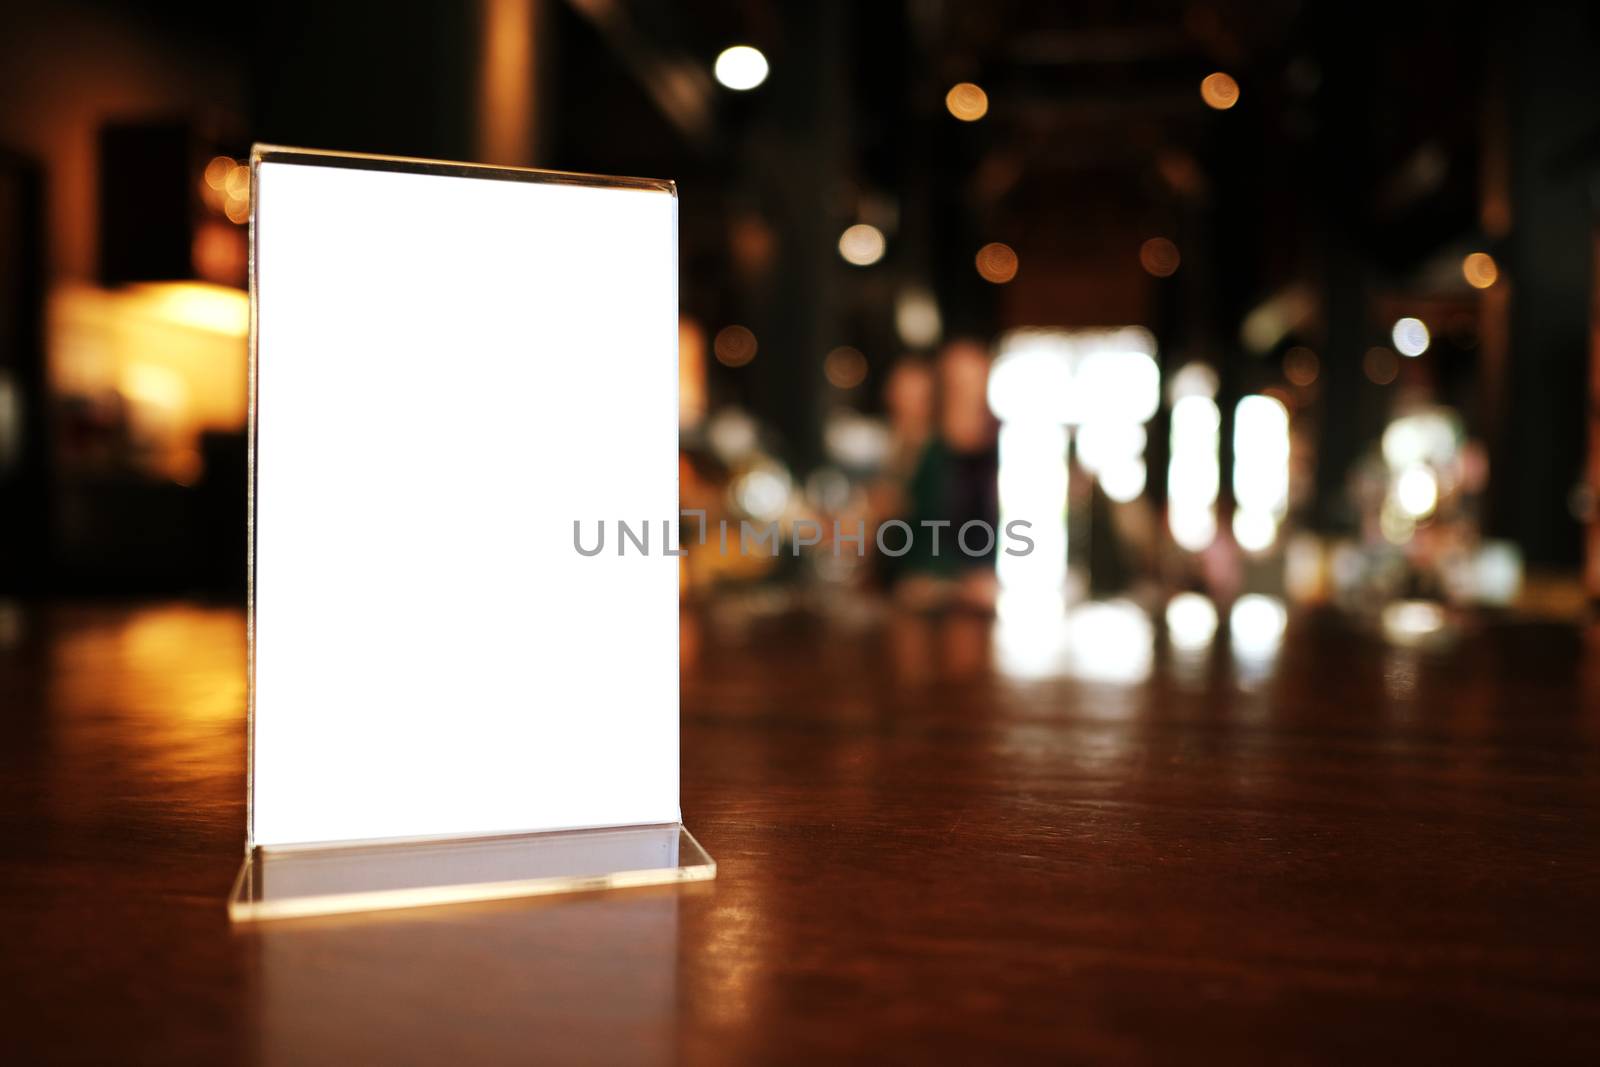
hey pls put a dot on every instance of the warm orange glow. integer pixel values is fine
(217, 172)
(845, 368)
(734, 346)
(997, 263)
(1159, 257)
(1480, 270)
(691, 372)
(1381, 365)
(174, 351)
(507, 89)
(967, 102)
(1219, 91)
(1300, 365)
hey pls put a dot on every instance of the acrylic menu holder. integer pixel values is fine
(454, 368)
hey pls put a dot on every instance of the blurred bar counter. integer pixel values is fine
(1152, 835)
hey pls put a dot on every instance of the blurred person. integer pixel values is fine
(953, 482)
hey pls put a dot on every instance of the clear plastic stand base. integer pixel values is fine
(280, 883)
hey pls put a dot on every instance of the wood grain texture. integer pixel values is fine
(1342, 849)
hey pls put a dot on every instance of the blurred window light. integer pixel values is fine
(1104, 443)
(1192, 379)
(1193, 528)
(1256, 626)
(1416, 490)
(741, 67)
(916, 318)
(1191, 622)
(1254, 531)
(845, 367)
(1118, 384)
(734, 346)
(1124, 479)
(1031, 379)
(1194, 471)
(1410, 336)
(967, 102)
(1219, 91)
(1480, 270)
(1159, 257)
(1043, 382)
(1380, 365)
(1300, 366)
(997, 263)
(1032, 485)
(862, 244)
(1261, 454)
(1260, 471)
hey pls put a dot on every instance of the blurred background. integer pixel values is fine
(1242, 306)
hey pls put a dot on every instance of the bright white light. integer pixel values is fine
(1031, 380)
(1123, 480)
(1193, 528)
(1111, 642)
(1256, 625)
(1118, 385)
(1033, 487)
(1193, 472)
(862, 244)
(1191, 622)
(1260, 471)
(1417, 491)
(1254, 530)
(1423, 437)
(741, 67)
(1410, 337)
(1101, 443)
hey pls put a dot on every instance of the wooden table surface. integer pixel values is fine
(939, 839)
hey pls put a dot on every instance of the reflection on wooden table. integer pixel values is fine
(1137, 835)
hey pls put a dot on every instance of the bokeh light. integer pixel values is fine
(741, 67)
(997, 263)
(1410, 336)
(1300, 366)
(862, 244)
(1380, 365)
(734, 346)
(1219, 91)
(845, 367)
(1159, 257)
(1480, 270)
(967, 102)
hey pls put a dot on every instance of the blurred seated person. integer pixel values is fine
(952, 481)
